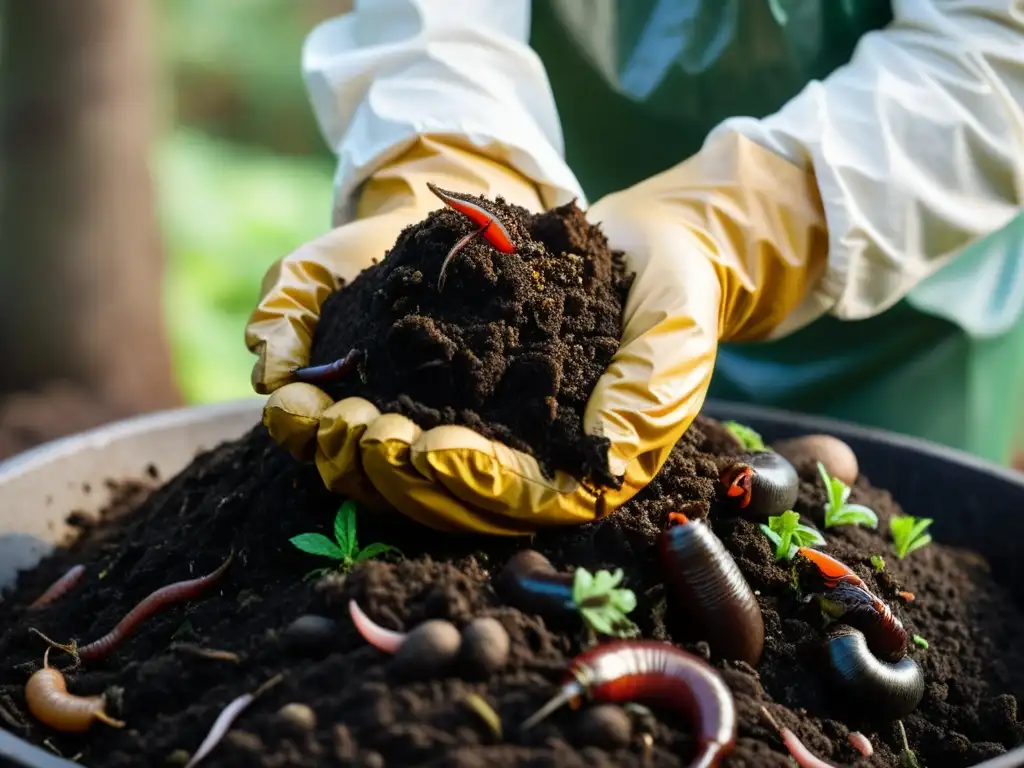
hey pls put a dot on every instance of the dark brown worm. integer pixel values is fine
(764, 484)
(59, 588)
(530, 583)
(885, 634)
(160, 599)
(321, 374)
(707, 586)
(651, 672)
(867, 684)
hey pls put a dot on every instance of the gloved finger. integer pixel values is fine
(341, 427)
(657, 380)
(386, 457)
(723, 246)
(292, 417)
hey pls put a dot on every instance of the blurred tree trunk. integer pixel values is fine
(81, 261)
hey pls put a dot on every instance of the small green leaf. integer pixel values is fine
(317, 544)
(345, 528)
(920, 641)
(601, 604)
(582, 585)
(373, 550)
(746, 436)
(878, 563)
(789, 534)
(805, 536)
(908, 534)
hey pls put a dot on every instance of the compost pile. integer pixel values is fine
(338, 701)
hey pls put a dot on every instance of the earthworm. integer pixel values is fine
(494, 231)
(856, 606)
(46, 694)
(831, 570)
(657, 673)
(710, 590)
(908, 596)
(764, 484)
(224, 720)
(803, 756)
(861, 743)
(885, 689)
(320, 374)
(384, 640)
(160, 599)
(59, 588)
(530, 582)
(462, 243)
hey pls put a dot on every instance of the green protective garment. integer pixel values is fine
(640, 83)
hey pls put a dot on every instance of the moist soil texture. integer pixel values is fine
(349, 707)
(511, 344)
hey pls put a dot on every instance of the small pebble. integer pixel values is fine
(428, 650)
(299, 716)
(485, 647)
(838, 458)
(311, 633)
(177, 758)
(606, 726)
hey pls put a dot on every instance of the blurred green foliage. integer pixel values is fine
(242, 172)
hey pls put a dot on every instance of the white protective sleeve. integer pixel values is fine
(917, 143)
(394, 69)
(918, 149)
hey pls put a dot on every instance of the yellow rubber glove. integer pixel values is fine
(724, 246)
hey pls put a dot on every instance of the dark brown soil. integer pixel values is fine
(251, 496)
(512, 346)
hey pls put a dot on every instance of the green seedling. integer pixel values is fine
(602, 604)
(907, 757)
(345, 547)
(789, 534)
(918, 640)
(748, 438)
(837, 511)
(878, 563)
(908, 534)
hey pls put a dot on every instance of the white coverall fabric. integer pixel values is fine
(917, 143)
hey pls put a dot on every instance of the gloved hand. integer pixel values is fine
(724, 246)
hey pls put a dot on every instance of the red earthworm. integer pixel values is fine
(651, 672)
(764, 483)
(803, 756)
(385, 640)
(856, 606)
(908, 596)
(46, 694)
(868, 684)
(320, 374)
(59, 588)
(529, 582)
(709, 588)
(861, 743)
(831, 570)
(160, 599)
(493, 230)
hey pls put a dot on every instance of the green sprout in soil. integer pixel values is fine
(908, 534)
(837, 511)
(907, 757)
(918, 640)
(878, 563)
(748, 438)
(789, 534)
(345, 548)
(602, 604)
